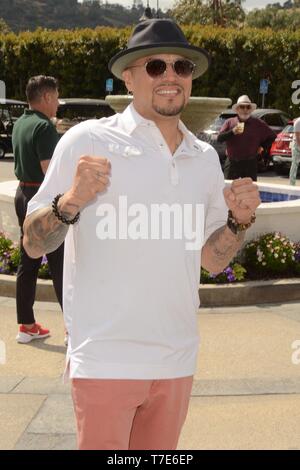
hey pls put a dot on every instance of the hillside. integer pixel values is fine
(23, 15)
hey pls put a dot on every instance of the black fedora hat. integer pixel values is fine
(158, 36)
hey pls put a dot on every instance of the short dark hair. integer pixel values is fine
(38, 85)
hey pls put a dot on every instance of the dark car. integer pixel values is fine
(72, 111)
(281, 150)
(275, 119)
(10, 111)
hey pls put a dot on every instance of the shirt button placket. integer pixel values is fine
(174, 172)
(172, 165)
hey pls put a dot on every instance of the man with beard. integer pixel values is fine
(130, 300)
(245, 137)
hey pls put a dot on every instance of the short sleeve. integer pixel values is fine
(226, 126)
(216, 210)
(45, 139)
(61, 171)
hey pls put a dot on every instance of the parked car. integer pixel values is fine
(72, 111)
(276, 120)
(281, 150)
(10, 111)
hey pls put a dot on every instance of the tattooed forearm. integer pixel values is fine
(220, 248)
(43, 231)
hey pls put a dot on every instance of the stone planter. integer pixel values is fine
(212, 295)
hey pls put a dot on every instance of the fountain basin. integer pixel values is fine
(281, 213)
(8, 219)
(282, 216)
(197, 116)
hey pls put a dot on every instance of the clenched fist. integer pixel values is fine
(242, 197)
(91, 177)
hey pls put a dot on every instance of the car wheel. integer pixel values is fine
(2, 151)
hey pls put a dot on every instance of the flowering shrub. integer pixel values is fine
(5, 244)
(271, 254)
(44, 272)
(234, 272)
(7, 255)
(4, 263)
(297, 258)
(15, 256)
(10, 258)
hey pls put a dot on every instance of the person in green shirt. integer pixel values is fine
(34, 139)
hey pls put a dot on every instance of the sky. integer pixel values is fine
(248, 4)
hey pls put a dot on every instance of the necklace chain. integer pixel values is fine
(178, 140)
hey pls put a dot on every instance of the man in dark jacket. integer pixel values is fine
(245, 137)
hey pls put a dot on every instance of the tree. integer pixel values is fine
(4, 28)
(220, 12)
(288, 4)
(234, 14)
(276, 19)
(23, 15)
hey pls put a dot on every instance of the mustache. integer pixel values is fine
(167, 84)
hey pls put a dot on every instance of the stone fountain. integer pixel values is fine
(197, 116)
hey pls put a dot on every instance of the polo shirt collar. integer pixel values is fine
(29, 112)
(131, 120)
(190, 142)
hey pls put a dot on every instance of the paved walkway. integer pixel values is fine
(246, 392)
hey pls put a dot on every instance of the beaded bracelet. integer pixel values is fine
(61, 217)
(235, 226)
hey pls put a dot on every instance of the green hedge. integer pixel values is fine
(240, 58)
(77, 58)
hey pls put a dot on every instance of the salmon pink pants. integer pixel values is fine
(122, 414)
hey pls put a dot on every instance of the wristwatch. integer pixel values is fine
(235, 226)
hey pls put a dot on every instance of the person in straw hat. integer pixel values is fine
(245, 137)
(130, 283)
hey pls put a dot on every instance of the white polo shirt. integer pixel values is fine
(130, 303)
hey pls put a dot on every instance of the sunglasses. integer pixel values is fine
(245, 106)
(156, 67)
